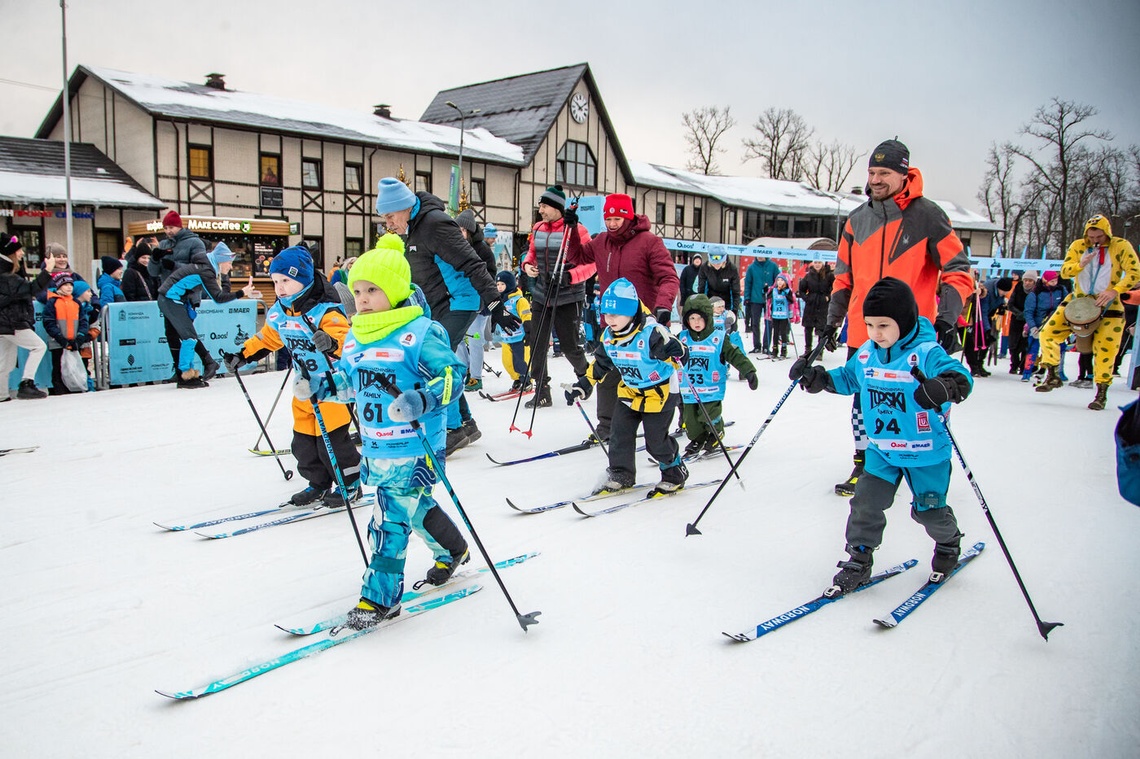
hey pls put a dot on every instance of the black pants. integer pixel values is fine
(565, 321)
(313, 461)
(756, 327)
(810, 334)
(606, 393)
(179, 327)
(456, 324)
(1018, 345)
(623, 438)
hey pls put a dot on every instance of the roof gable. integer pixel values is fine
(31, 171)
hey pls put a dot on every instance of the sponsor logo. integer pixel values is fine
(368, 378)
(407, 339)
(922, 419)
(895, 399)
(899, 444)
(632, 372)
(912, 359)
(864, 357)
(698, 363)
(921, 445)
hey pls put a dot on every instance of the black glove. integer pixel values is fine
(504, 319)
(663, 315)
(948, 337)
(831, 339)
(323, 342)
(72, 345)
(564, 281)
(570, 218)
(752, 380)
(580, 389)
(932, 393)
(815, 379)
(233, 361)
(798, 367)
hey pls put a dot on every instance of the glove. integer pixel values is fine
(581, 389)
(504, 319)
(302, 391)
(570, 217)
(931, 394)
(815, 379)
(948, 337)
(798, 369)
(831, 339)
(233, 361)
(752, 380)
(323, 342)
(565, 279)
(410, 405)
(663, 315)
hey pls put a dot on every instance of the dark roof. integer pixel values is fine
(25, 156)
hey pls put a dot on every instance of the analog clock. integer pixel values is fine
(579, 108)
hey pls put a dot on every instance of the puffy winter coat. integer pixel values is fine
(760, 275)
(635, 253)
(545, 244)
(16, 310)
(815, 289)
(1041, 302)
(434, 239)
(723, 283)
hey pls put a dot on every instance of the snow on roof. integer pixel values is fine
(184, 100)
(18, 187)
(964, 218)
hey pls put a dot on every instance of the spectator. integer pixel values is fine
(815, 289)
(138, 284)
(759, 277)
(179, 246)
(65, 323)
(110, 282)
(55, 261)
(719, 278)
(689, 278)
(470, 350)
(1018, 338)
(17, 322)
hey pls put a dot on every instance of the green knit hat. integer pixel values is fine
(386, 267)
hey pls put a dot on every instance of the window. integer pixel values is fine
(270, 170)
(201, 162)
(752, 224)
(353, 247)
(732, 218)
(108, 243)
(679, 216)
(478, 192)
(660, 217)
(353, 173)
(310, 173)
(697, 218)
(575, 165)
(423, 181)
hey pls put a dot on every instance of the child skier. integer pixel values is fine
(705, 372)
(726, 320)
(515, 342)
(781, 307)
(393, 343)
(907, 436)
(646, 355)
(308, 320)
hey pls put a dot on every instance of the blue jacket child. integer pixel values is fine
(393, 343)
(904, 416)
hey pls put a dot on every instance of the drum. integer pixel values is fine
(1083, 316)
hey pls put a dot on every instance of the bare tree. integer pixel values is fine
(704, 128)
(783, 144)
(827, 167)
(1060, 127)
(997, 194)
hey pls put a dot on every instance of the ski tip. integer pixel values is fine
(526, 620)
(736, 637)
(175, 696)
(169, 527)
(691, 529)
(910, 563)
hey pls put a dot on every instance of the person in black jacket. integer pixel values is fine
(470, 350)
(719, 277)
(1018, 334)
(815, 289)
(453, 278)
(138, 284)
(689, 277)
(17, 319)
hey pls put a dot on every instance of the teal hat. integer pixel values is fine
(620, 298)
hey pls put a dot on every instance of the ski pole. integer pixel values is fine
(332, 455)
(712, 431)
(273, 408)
(288, 473)
(691, 528)
(487, 367)
(1044, 628)
(590, 424)
(524, 620)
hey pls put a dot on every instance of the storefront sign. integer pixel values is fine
(272, 197)
(26, 214)
(216, 225)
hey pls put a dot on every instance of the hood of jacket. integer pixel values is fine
(699, 304)
(639, 223)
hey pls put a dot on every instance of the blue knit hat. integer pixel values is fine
(393, 195)
(489, 230)
(80, 287)
(222, 253)
(620, 298)
(295, 263)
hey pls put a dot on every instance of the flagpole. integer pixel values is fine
(67, 139)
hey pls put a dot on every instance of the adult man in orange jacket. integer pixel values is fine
(896, 233)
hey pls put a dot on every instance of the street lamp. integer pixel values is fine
(462, 130)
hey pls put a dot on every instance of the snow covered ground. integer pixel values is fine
(100, 607)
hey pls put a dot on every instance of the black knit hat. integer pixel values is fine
(892, 298)
(555, 197)
(9, 244)
(110, 264)
(890, 154)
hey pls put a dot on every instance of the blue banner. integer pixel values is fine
(752, 251)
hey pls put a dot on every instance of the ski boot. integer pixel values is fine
(1098, 403)
(944, 560)
(694, 447)
(472, 385)
(472, 430)
(308, 496)
(672, 479)
(335, 500)
(367, 614)
(1050, 381)
(541, 398)
(854, 573)
(615, 483)
(456, 439)
(847, 487)
(445, 567)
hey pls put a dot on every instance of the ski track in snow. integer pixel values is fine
(100, 607)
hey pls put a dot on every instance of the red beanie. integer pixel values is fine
(172, 219)
(618, 205)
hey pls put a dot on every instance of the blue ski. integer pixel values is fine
(814, 605)
(325, 643)
(411, 595)
(296, 516)
(221, 520)
(926, 591)
(653, 495)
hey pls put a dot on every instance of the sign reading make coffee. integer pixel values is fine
(217, 225)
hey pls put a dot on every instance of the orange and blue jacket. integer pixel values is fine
(907, 237)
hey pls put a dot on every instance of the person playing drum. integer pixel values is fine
(1101, 267)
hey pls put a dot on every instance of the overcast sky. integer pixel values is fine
(948, 78)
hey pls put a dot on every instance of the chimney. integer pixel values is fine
(383, 110)
(217, 81)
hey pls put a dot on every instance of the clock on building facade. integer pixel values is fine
(579, 108)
